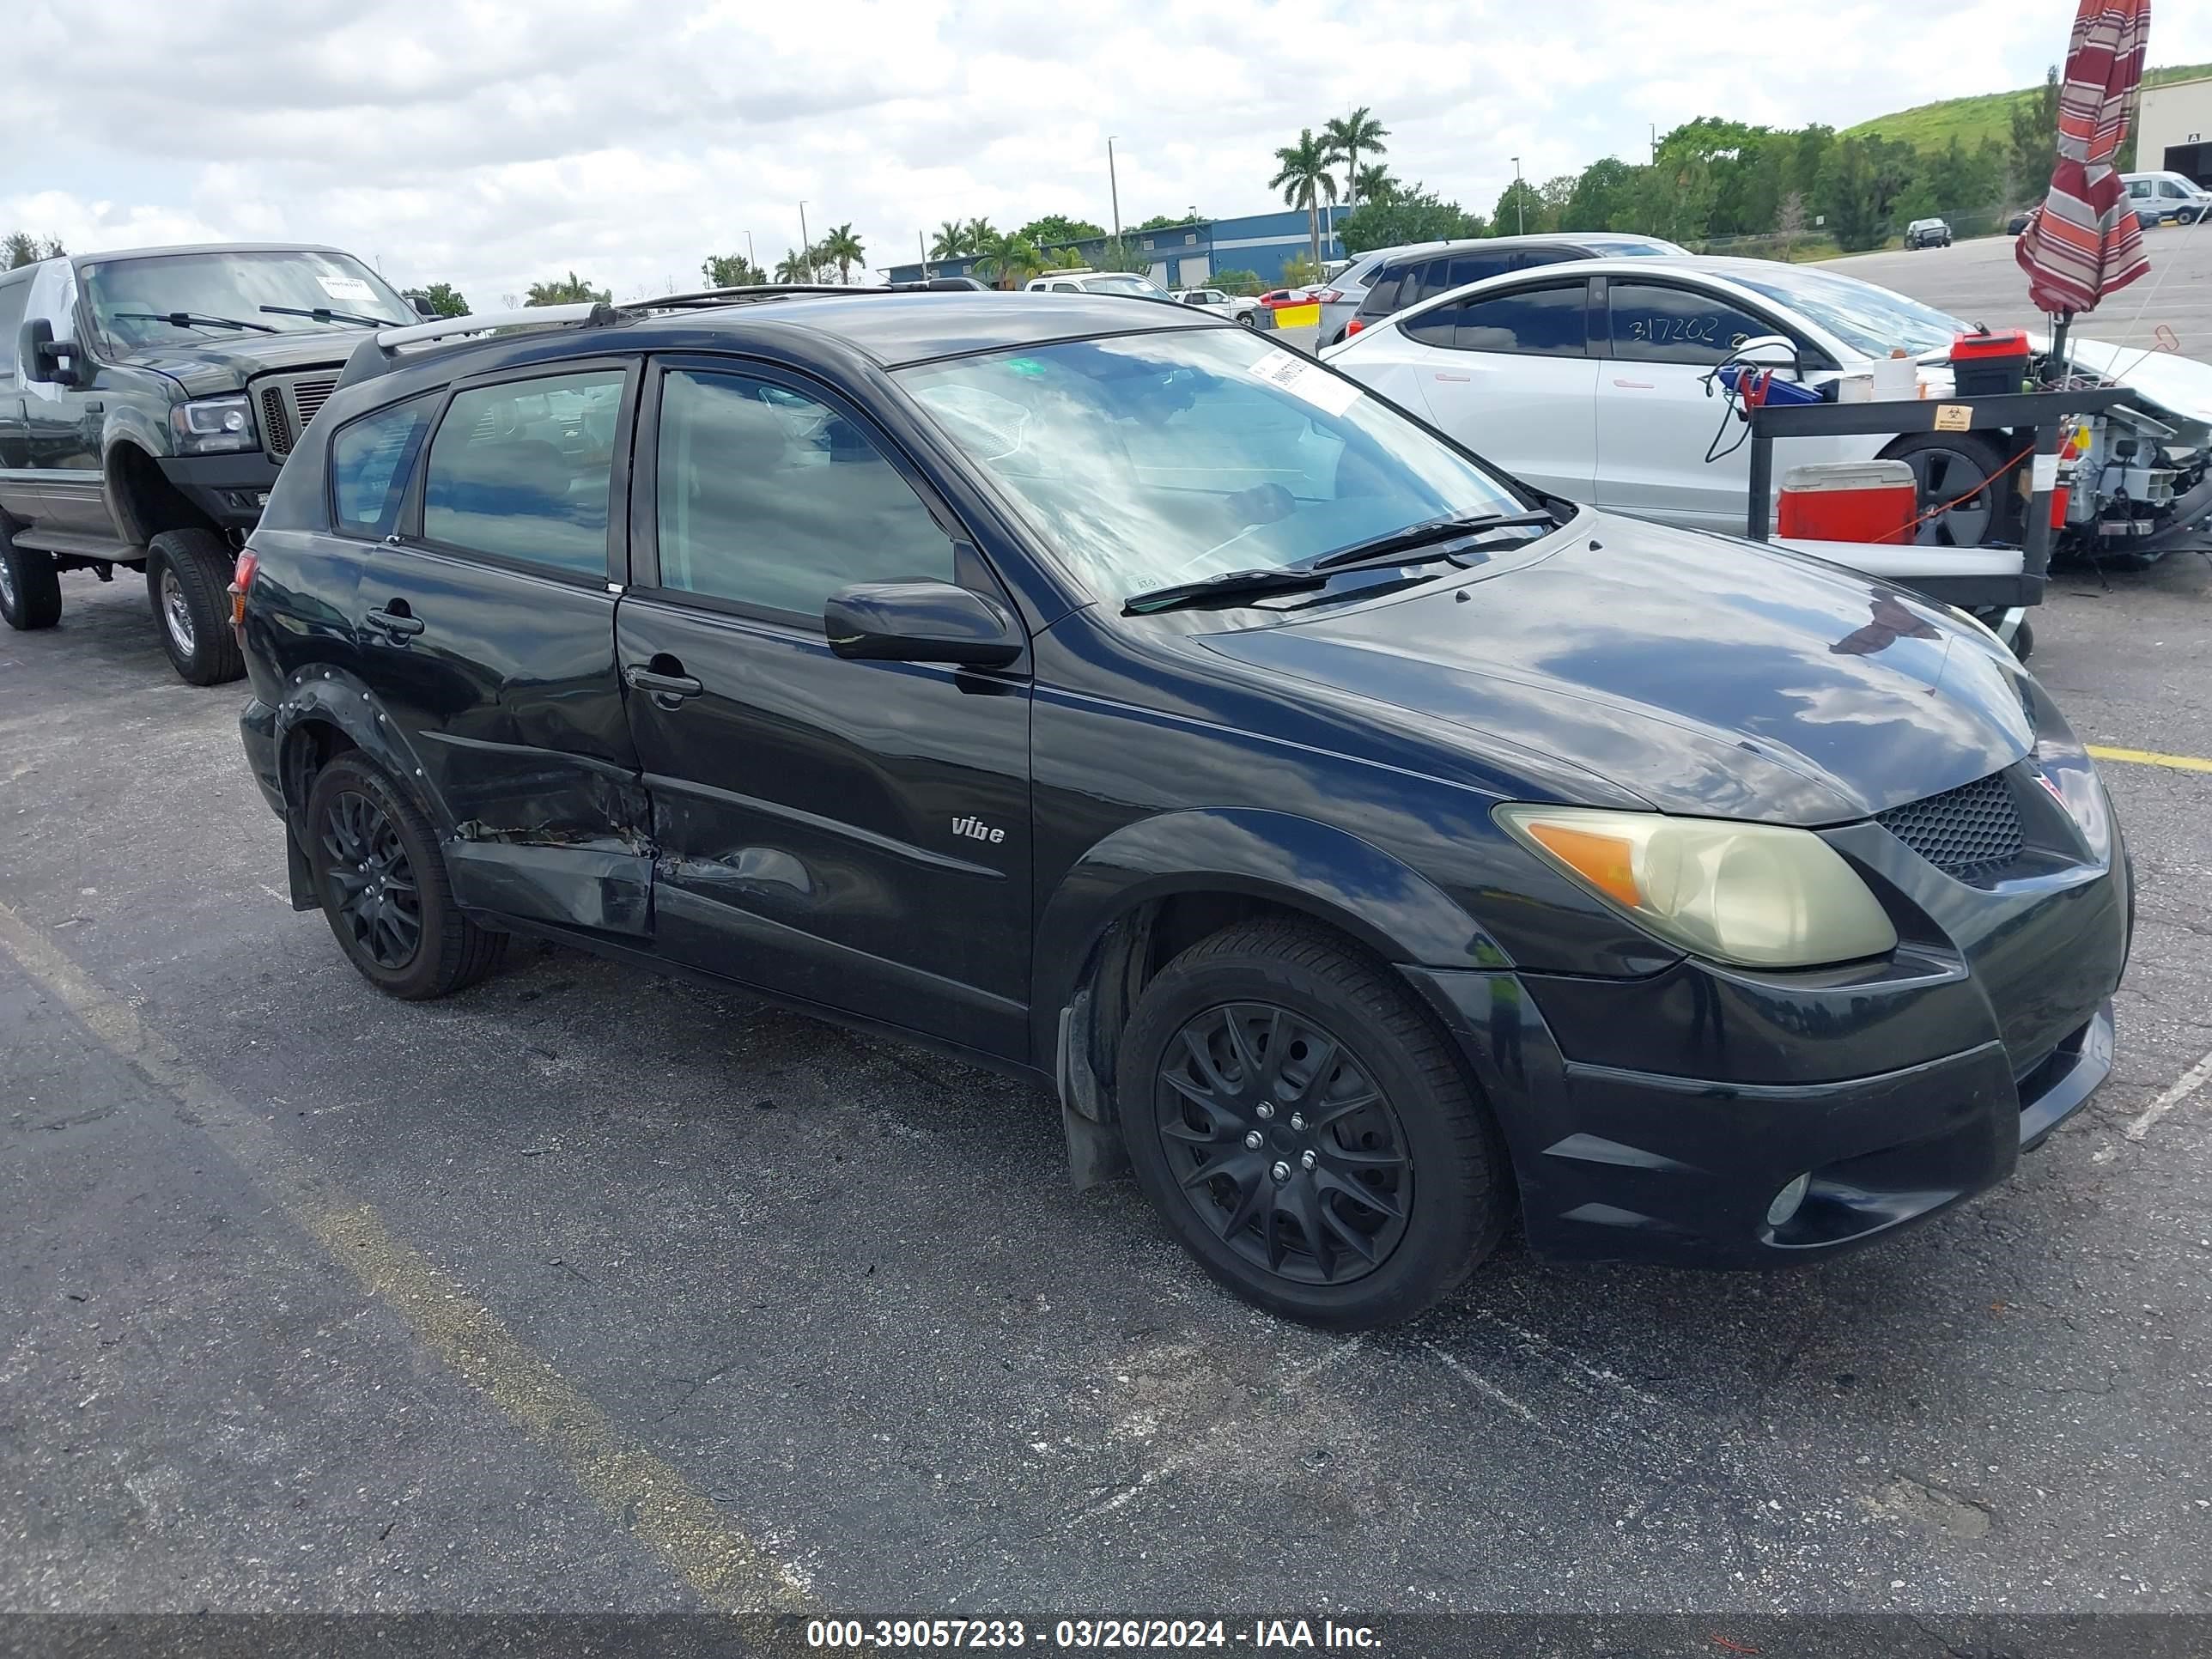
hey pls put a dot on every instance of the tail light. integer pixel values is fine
(241, 581)
(1352, 327)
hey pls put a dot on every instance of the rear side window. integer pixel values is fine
(14, 296)
(771, 499)
(521, 470)
(369, 462)
(1655, 325)
(1383, 293)
(1538, 322)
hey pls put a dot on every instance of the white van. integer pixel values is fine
(1097, 282)
(2173, 195)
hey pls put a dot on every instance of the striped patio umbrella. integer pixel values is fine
(2083, 242)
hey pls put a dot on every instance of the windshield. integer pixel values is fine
(1151, 459)
(213, 290)
(1124, 284)
(1872, 321)
(1635, 247)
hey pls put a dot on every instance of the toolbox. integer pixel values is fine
(1848, 501)
(1989, 364)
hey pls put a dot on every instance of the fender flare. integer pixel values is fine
(335, 698)
(127, 428)
(1328, 872)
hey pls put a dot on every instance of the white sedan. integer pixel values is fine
(1593, 382)
(1236, 307)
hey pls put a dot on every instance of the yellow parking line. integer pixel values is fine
(2151, 758)
(644, 1494)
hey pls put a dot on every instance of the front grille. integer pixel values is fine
(1963, 832)
(289, 402)
(276, 423)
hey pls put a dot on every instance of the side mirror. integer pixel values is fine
(920, 621)
(424, 308)
(1770, 351)
(44, 358)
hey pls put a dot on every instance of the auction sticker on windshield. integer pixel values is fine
(351, 289)
(1311, 383)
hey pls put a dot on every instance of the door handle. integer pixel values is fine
(674, 687)
(397, 624)
(1441, 375)
(1636, 385)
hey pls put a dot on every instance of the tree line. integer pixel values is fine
(1711, 179)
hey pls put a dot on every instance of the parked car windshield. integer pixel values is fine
(1153, 459)
(1872, 321)
(1124, 284)
(133, 300)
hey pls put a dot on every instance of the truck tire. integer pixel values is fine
(1303, 1129)
(382, 883)
(188, 582)
(30, 587)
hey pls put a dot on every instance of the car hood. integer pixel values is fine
(206, 368)
(1704, 675)
(2167, 382)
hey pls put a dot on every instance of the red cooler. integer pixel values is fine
(1847, 501)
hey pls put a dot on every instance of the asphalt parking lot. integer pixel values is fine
(587, 1289)
(1981, 282)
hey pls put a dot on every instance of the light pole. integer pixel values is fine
(1114, 188)
(1520, 201)
(752, 258)
(805, 244)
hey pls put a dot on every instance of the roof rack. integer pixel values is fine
(744, 293)
(374, 355)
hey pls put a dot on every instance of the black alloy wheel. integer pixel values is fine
(1306, 1129)
(383, 887)
(1281, 1142)
(369, 881)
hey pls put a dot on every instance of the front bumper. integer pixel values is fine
(231, 490)
(1655, 1120)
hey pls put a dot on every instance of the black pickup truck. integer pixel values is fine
(148, 399)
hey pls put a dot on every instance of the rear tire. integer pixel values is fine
(383, 886)
(2023, 641)
(187, 583)
(30, 586)
(1355, 1179)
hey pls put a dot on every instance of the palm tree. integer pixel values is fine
(952, 242)
(1373, 184)
(793, 268)
(980, 234)
(1008, 260)
(842, 248)
(1306, 182)
(1357, 134)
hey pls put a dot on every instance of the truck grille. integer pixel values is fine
(289, 402)
(1963, 832)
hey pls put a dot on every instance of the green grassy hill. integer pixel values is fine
(1988, 115)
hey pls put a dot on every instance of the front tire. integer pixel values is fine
(188, 582)
(1305, 1130)
(384, 889)
(30, 586)
(1963, 474)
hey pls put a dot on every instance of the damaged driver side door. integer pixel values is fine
(485, 619)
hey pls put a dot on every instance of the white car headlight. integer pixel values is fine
(210, 426)
(1756, 895)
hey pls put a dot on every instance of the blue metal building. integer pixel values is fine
(1188, 256)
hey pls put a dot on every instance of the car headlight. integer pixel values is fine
(1756, 895)
(210, 426)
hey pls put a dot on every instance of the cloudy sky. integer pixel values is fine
(490, 144)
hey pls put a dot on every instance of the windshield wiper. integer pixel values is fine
(1230, 585)
(324, 314)
(191, 320)
(1382, 549)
